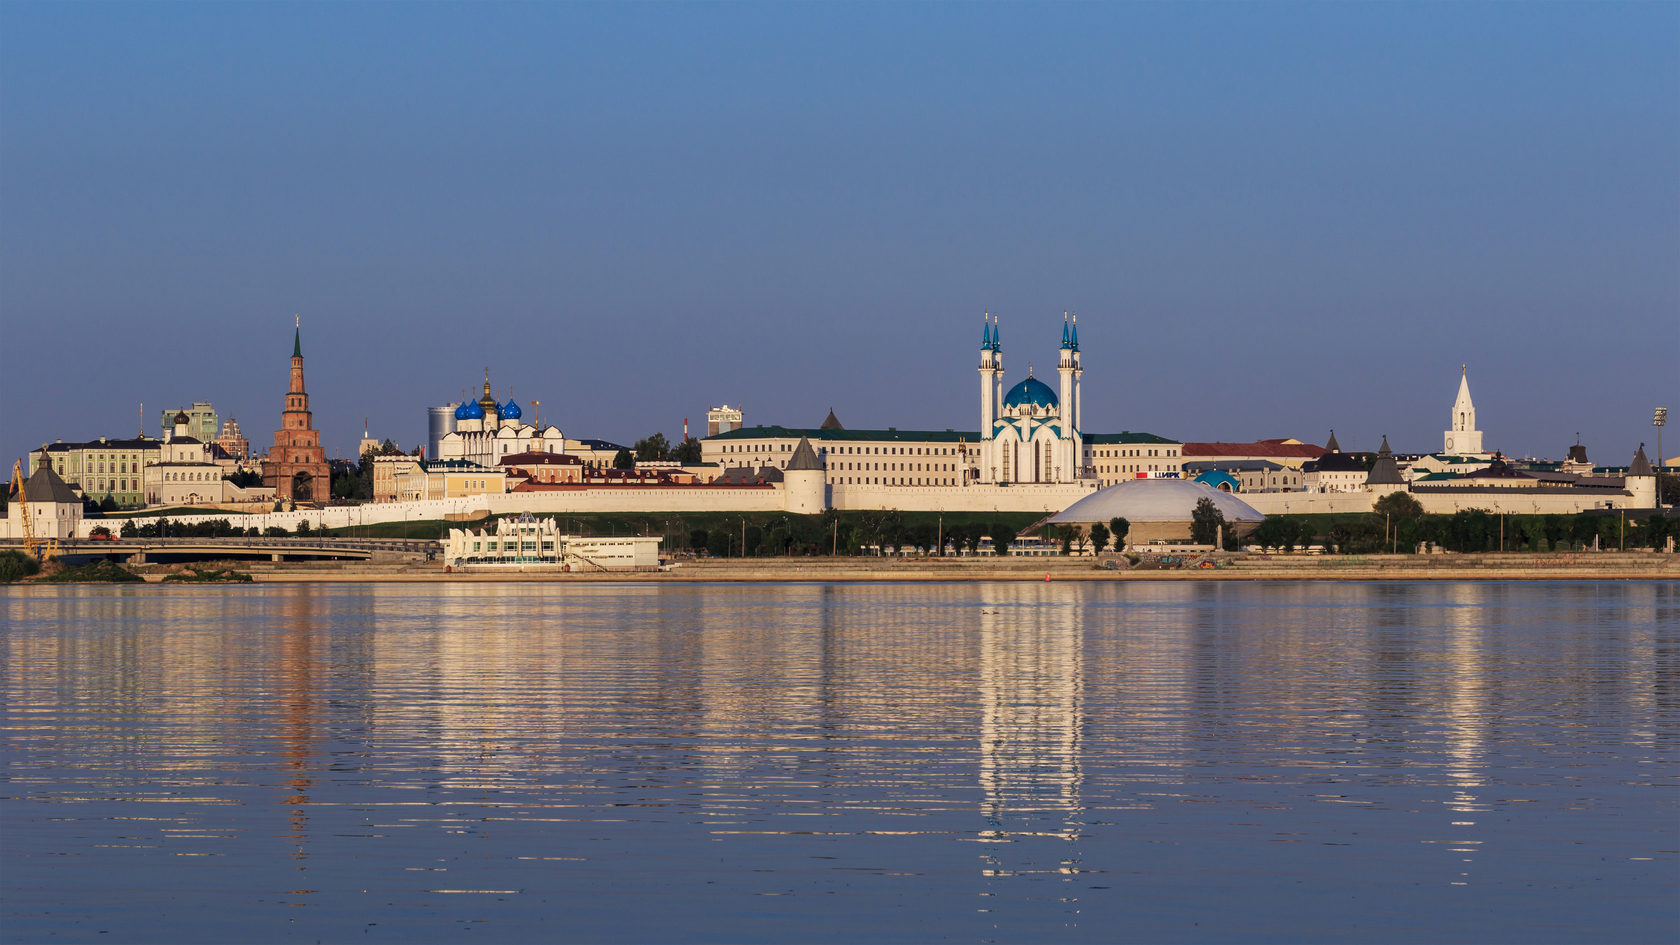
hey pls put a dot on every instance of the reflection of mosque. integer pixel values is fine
(1031, 681)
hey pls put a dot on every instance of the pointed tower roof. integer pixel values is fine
(1640, 465)
(44, 485)
(1462, 401)
(1385, 472)
(1331, 446)
(997, 336)
(1076, 331)
(986, 332)
(1067, 331)
(831, 422)
(804, 457)
(297, 336)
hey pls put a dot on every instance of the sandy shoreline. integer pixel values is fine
(1611, 566)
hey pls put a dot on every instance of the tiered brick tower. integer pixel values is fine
(297, 465)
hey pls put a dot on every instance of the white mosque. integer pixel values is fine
(1030, 434)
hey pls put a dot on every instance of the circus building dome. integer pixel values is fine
(1030, 392)
(1159, 509)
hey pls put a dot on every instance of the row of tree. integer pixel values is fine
(1400, 525)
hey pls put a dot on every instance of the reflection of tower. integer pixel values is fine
(297, 715)
(1464, 704)
(1031, 714)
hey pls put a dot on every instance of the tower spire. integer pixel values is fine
(986, 332)
(1067, 339)
(297, 336)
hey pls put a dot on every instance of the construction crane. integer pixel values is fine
(39, 547)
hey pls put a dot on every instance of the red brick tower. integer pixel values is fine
(297, 465)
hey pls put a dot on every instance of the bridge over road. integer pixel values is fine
(288, 548)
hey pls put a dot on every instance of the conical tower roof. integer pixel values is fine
(1640, 465)
(1385, 471)
(1332, 446)
(831, 422)
(44, 485)
(804, 457)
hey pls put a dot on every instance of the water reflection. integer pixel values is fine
(1001, 760)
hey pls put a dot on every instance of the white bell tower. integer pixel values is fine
(1462, 438)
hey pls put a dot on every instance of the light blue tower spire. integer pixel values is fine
(997, 336)
(986, 334)
(1076, 331)
(1067, 339)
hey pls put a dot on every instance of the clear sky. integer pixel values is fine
(1272, 219)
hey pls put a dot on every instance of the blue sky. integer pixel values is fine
(1272, 219)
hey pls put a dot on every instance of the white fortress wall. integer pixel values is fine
(1017, 497)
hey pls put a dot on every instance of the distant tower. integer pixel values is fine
(723, 419)
(805, 491)
(1462, 437)
(1070, 371)
(991, 390)
(296, 467)
(1641, 481)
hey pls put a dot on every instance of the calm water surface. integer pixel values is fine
(953, 762)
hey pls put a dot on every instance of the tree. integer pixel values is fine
(1002, 537)
(1399, 507)
(107, 504)
(1120, 527)
(1205, 522)
(652, 449)
(303, 526)
(128, 530)
(623, 460)
(1099, 538)
(1070, 535)
(15, 565)
(688, 452)
(1657, 530)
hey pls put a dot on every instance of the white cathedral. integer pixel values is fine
(486, 431)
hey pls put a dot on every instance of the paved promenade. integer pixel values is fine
(1602, 566)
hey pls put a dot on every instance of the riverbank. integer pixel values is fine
(1602, 566)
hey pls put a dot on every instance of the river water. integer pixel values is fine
(1273, 762)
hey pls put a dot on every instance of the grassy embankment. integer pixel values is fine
(771, 529)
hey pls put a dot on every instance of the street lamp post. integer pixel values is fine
(1659, 420)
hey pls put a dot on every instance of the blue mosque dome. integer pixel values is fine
(1030, 391)
(469, 411)
(511, 411)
